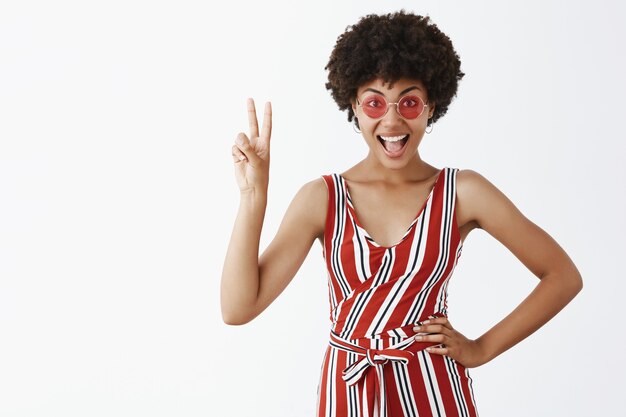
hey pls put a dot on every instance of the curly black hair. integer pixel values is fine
(390, 47)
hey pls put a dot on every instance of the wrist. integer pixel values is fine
(253, 196)
(253, 192)
(484, 351)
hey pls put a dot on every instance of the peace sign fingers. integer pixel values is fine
(252, 121)
(262, 143)
(267, 122)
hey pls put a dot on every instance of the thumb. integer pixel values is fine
(243, 143)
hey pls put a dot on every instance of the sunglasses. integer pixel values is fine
(375, 106)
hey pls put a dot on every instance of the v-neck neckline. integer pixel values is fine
(408, 230)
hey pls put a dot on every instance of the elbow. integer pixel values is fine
(569, 279)
(233, 322)
(574, 284)
(579, 284)
(236, 312)
(576, 280)
(235, 318)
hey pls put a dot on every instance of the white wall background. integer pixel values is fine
(117, 198)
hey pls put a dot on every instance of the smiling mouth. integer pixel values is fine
(393, 146)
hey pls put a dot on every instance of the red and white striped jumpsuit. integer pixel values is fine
(372, 367)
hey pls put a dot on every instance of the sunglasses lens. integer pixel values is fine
(374, 106)
(411, 107)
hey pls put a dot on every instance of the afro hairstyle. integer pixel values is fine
(393, 46)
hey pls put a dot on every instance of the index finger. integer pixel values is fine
(267, 121)
(252, 121)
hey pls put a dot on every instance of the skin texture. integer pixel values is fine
(379, 184)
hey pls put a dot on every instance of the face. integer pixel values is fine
(382, 134)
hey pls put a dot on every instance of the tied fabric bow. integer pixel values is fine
(372, 358)
(376, 358)
(353, 373)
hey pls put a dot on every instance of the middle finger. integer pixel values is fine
(267, 121)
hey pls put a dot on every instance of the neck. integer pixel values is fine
(414, 170)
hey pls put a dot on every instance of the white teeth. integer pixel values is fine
(393, 138)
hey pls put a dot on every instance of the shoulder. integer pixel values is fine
(312, 202)
(314, 190)
(480, 200)
(468, 178)
(472, 182)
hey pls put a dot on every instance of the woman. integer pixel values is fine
(392, 349)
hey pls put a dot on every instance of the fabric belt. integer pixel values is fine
(376, 358)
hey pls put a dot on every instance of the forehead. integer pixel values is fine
(388, 90)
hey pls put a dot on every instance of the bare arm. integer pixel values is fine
(250, 284)
(240, 273)
(560, 280)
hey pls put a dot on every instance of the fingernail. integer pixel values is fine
(418, 337)
(426, 322)
(239, 140)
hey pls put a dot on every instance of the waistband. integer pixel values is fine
(401, 352)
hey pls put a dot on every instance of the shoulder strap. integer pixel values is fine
(451, 200)
(451, 188)
(331, 185)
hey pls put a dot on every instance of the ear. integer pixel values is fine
(353, 102)
(431, 109)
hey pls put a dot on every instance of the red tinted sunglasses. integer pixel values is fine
(375, 106)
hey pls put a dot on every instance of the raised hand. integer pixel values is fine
(252, 155)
